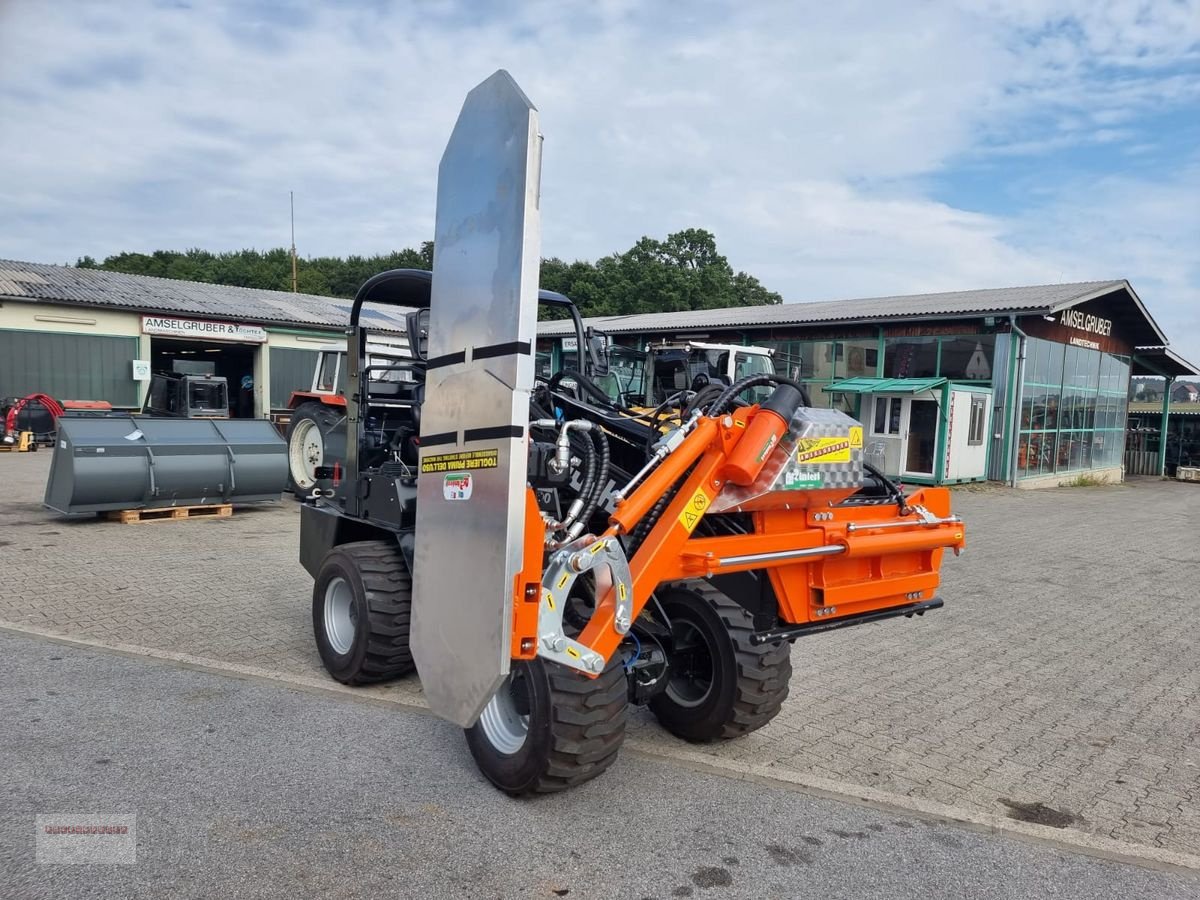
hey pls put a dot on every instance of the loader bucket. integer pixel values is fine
(140, 462)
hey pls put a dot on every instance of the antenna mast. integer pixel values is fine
(292, 203)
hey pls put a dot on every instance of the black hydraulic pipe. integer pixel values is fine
(791, 632)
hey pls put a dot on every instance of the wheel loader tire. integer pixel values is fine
(572, 729)
(720, 685)
(361, 610)
(306, 434)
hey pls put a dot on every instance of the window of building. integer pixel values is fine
(968, 357)
(910, 357)
(978, 417)
(887, 416)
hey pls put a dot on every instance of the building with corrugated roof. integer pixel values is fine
(1039, 373)
(1050, 366)
(89, 334)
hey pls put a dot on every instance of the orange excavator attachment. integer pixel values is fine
(830, 561)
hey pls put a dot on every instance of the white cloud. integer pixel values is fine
(804, 136)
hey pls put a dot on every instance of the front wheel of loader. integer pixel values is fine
(361, 609)
(549, 728)
(719, 685)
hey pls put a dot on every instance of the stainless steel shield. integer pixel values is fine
(483, 318)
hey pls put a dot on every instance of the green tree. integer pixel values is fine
(684, 271)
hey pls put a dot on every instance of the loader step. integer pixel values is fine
(171, 513)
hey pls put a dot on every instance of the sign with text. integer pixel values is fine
(1090, 325)
(203, 330)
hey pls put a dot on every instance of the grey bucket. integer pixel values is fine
(141, 462)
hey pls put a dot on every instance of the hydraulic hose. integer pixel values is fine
(744, 384)
(589, 386)
(600, 440)
(892, 487)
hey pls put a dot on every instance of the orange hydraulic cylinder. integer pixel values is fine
(750, 453)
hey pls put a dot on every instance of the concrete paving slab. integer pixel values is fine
(1061, 675)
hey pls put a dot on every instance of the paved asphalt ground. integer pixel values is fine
(249, 788)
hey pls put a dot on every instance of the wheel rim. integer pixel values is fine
(691, 675)
(306, 451)
(340, 620)
(505, 720)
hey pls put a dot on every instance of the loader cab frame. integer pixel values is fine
(401, 385)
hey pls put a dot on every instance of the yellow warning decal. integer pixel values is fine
(571, 651)
(598, 546)
(461, 461)
(856, 437)
(562, 582)
(694, 510)
(621, 591)
(550, 601)
(824, 449)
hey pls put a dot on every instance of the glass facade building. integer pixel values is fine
(1073, 408)
(1051, 366)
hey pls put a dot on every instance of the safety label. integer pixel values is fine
(694, 510)
(457, 486)
(856, 437)
(461, 461)
(823, 450)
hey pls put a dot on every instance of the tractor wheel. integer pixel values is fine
(362, 606)
(719, 685)
(309, 425)
(549, 728)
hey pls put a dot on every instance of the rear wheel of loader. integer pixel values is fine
(307, 428)
(549, 728)
(362, 606)
(720, 685)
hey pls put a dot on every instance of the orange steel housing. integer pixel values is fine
(875, 569)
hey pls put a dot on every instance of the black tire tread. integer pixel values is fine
(389, 601)
(587, 727)
(764, 671)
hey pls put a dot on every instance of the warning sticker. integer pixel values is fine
(824, 450)
(694, 510)
(460, 462)
(856, 437)
(457, 486)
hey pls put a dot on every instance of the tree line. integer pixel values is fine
(684, 271)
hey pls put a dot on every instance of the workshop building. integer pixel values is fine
(89, 334)
(1026, 385)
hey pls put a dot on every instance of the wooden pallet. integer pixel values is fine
(171, 513)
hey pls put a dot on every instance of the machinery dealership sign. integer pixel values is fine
(203, 330)
(1090, 326)
(1085, 322)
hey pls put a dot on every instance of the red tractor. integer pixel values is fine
(316, 433)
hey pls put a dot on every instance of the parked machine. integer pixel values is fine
(545, 557)
(673, 367)
(187, 396)
(316, 424)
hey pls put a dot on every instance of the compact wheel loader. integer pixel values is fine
(543, 557)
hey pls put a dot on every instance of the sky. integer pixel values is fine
(836, 150)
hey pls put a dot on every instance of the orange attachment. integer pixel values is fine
(824, 561)
(750, 454)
